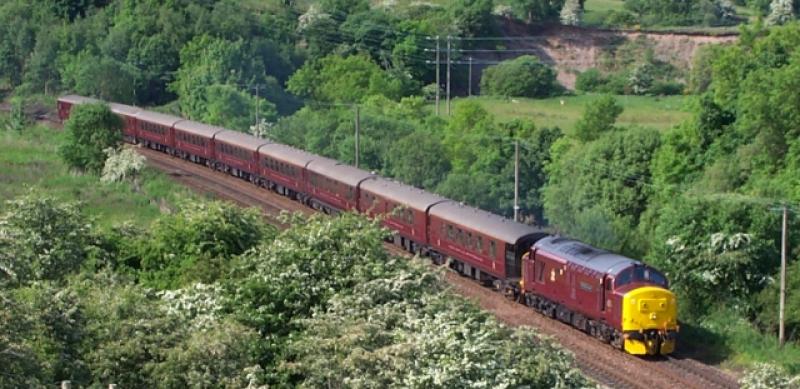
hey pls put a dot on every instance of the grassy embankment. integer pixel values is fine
(655, 112)
(29, 159)
(726, 339)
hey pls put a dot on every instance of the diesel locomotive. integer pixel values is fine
(621, 301)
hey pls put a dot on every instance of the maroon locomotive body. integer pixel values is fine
(617, 299)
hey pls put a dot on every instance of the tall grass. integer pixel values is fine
(29, 159)
(723, 337)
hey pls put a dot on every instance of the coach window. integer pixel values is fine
(480, 244)
(450, 233)
(492, 249)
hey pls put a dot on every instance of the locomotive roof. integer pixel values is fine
(75, 99)
(340, 172)
(123, 109)
(402, 193)
(585, 255)
(240, 139)
(287, 153)
(198, 128)
(158, 118)
(484, 222)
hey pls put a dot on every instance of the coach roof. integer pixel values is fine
(338, 171)
(484, 222)
(287, 154)
(240, 139)
(402, 193)
(197, 128)
(158, 118)
(123, 109)
(582, 254)
(75, 99)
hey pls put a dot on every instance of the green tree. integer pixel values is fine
(42, 238)
(706, 244)
(197, 243)
(229, 107)
(418, 159)
(91, 129)
(537, 10)
(103, 77)
(598, 118)
(472, 17)
(523, 76)
(606, 180)
(343, 79)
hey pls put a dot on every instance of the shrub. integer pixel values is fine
(666, 88)
(91, 129)
(590, 81)
(524, 76)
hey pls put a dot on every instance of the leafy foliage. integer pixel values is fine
(398, 331)
(91, 129)
(598, 118)
(681, 13)
(523, 76)
(42, 239)
(349, 80)
(599, 191)
(196, 244)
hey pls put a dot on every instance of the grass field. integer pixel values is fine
(596, 11)
(655, 112)
(29, 159)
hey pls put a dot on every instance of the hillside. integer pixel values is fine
(575, 49)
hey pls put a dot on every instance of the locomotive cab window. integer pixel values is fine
(640, 274)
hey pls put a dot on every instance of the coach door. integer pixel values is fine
(512, 262)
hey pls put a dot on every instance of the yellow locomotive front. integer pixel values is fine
(649, 321)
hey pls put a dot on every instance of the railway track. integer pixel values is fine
(607, 366)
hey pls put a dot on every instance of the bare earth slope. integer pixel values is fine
(575, 49)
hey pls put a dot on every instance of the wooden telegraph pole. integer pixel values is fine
(784, 242)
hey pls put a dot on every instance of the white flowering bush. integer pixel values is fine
(767, 376)
(121, 164)
(571, 13)
(200, 304)
(42, 238)
(311, 17)
(402, 331)
(780, 12)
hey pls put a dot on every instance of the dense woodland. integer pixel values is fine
(699, 201)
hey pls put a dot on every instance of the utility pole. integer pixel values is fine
(516, 180)
(257, 129)
(438, 83)
(358, 125)
(470, 76)
(448, 75)
(784, 238)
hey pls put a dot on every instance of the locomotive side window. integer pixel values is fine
(492, 249)
(539, 271)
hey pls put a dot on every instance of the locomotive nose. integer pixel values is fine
(649, 321)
